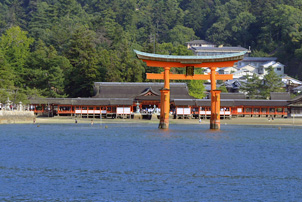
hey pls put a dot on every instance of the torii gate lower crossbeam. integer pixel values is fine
(189, 62)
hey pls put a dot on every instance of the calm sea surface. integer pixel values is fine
(138, 162)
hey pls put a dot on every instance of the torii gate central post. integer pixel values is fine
(189, 62)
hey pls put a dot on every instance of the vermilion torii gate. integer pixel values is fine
(189, 62)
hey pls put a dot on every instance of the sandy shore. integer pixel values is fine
(233, 121)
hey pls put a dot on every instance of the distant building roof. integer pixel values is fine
(297, 101)
(202, 42)
(219, 49)
(213, 51)
(258, 59)
(290, 80)
(280, 95)
(232, 96)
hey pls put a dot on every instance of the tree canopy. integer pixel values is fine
(58, 48)
(257, 88)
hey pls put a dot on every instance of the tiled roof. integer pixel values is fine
(200, 42)
(220, 49)
(280, 96)
(184, 102)
(232, 96)
(296, 101)
(258, 59)
(82, 101)
(221, 57)
(135, 90)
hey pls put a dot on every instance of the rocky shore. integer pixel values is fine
(8, 117)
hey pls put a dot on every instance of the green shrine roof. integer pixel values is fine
(190, 59)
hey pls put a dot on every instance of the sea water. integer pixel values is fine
(138, 162)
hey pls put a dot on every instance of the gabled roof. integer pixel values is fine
(246, 66)
(149, 91)
(269, 64)
(294, 81)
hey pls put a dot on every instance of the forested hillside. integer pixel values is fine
(58, 48)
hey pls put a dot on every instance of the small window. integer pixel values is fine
(39, 107)
(279, 69)
(279, 110)
(248, 109)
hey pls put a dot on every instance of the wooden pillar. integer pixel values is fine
(215, 102)
(165, 101)
(215, 112)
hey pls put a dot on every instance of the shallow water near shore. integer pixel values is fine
(138, 162)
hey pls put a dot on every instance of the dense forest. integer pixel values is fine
(58, 48)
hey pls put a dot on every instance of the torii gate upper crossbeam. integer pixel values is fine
(195, 77)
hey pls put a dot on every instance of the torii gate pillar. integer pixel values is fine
(215, 110)
(215, 102)
(165, 101)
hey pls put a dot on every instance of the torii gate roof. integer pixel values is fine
(190, 59)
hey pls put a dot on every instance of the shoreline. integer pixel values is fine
(233, 121)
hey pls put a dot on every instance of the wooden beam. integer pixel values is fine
(152, 63)
(184, 77)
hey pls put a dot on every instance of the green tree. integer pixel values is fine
(233, 23)
(196, 87)
(46, 71)
(272, 82)
(197, 15)
(252, 86)
(41, 21)
(6, 78)
(15, 46)
(82, 55)
(110, 66)
(179, 35)
(223, 89)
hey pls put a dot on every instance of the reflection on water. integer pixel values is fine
(138, 162)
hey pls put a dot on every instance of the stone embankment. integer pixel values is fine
(16, 116)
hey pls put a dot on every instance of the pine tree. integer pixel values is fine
(252, 86)
(82, 55)
(272, 82)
